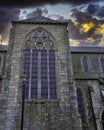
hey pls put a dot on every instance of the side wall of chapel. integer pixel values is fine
(90, 87)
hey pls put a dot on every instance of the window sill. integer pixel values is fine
(37, 101)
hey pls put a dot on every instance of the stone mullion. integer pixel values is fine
(39, 75)
(57, 77)
(30, 75)
(48, 74)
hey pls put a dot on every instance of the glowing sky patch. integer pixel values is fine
(80, 26)
(100, 29)
(87, 26)
(2, 42)
(74, 42)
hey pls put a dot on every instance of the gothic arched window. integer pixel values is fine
(40, 66)
(80, 106)
(102, 120)
(1, 60)
(102, 63)
(85, 64)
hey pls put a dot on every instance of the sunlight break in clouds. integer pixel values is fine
(86, 27)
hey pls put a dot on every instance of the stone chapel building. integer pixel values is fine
(45, 84)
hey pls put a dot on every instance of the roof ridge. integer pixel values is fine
(41, 19)
(39, 16)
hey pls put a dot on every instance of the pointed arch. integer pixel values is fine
(40, 35)
(39, 65)
(81, 106)
(85, 64)
(102, 118)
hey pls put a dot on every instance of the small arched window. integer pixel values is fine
(102, 63)
(39, 65)
(0, 60)
(80, 106)
(85, 64)
(102, 120)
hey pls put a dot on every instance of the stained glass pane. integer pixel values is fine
(80, 106)
(47, 67)
(26, 71)
(35, 35)
(85, 64)
(44, 35)
(34, 74)
(52, 74)
(44, 76)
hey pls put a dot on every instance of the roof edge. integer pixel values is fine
(40, 20)
(23, 22)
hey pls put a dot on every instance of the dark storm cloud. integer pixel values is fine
(101, 12)
(10, 10)
(39, 11)
(91, 12)
(93, 9)
(85, 23)
(80, 15)
(36, 12)
(6, 16)
(57, 17)
(27, 3)
(96, 10)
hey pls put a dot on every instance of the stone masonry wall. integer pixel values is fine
(91, 89)
(60, 115)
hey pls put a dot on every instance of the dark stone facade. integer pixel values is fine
(62, 113)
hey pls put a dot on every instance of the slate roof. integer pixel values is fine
(3, 48)
(40, 19)
(87, 49)
(98, 50)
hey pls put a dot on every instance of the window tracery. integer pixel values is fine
(40, 40)
(40, 66)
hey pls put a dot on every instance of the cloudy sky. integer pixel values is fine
(86, 17)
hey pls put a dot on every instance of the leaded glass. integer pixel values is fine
(44, 35)
(35, 35)
(39, 65)
(34, 76)
(52, 74)
(44, 76)
(33, 93)
(85, 64)
(26, 71)
(80, 106)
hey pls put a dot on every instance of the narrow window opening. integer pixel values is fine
(81, 106)
(102, 63)
(85, 64)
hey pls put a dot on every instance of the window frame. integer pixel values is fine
(39, 50)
